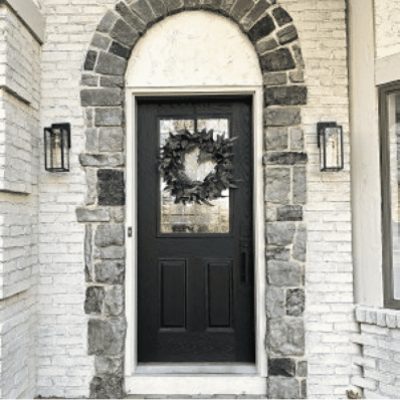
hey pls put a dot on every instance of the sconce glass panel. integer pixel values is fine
(330, 140)
(57, 143)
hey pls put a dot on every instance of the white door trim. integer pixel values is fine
(137, 382)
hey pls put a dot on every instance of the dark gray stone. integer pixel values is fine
(280, 233)
(114, 301)
(159, 8)
(111, 272)
(277, 60)
(276, 138)
(107, 22)
(109, 64)
(295, 299)
(301, 369)
(277, 185)
(284, 273)
(101, 41)
(264, 27)
(110, 253)
(287, 35)
(211, 4)
(106, 337)
(265, 45)
(101, 160)
(92, 142)
(109, 235)
(143, 10)
(132, 19)
(90, 60)
(259, 8)
(300, 244)
(94, 299)
(124, 34)
(283, 388)
(108, 365)
(290, 213)
(107, 386)
(101, 97)
(277, 253)
(193, 4)
(282, 116)
(285, 158)
(240, 8)
(285, 95)
(275, 302)
(298, 56)
(92, 214)
(119, 50)
(89, 80)
(303, 388)
(88, 249)
(299, 185)
(274, 78)
(111, 139)
(111, 187)
(112, 81)
(281, 16)
(226, 6)
(108, 116)
(282, 367)
(286, 336)
(174, 6)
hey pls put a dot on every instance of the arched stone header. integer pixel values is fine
(271, 30)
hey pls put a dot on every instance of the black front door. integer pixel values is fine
(195, 261)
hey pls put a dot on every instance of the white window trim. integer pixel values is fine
(228, 379)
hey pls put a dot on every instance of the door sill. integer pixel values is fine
(196, 368)
(195, 385)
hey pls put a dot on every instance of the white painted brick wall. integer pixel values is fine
(329, 270)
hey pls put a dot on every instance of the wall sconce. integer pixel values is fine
(330, 143)
(57, 142)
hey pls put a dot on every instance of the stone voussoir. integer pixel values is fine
(101, 97)
(97, 214)
(285, 95)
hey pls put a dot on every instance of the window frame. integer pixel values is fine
(386, 204)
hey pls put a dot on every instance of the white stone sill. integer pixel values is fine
(383, 317)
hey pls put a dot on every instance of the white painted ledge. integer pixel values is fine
(387, 69)
(30, 15)
(383, 317)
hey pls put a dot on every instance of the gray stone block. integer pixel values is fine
(100, 41)
(110, 64)
(109, 235)
(287, 35)
(299, 185)
(92, 214)
(114, 300)
(112, 81)
(266, 44)
(101, 160)
(107, 22)
(143, 10)
(101, 97)
(284, 273)
(298, 56)
(277, 253)
(89, 80)
(276, 138)
(90, 60)
(296, 76)
(283, 388)
(285, 158)
(274, 78)
(110, 253)
(111, 187)
(282, 116)
(226, 6)
(240, 8)
(124, 33)
(282, 367)
(111, 272)
(290, 213)
(281, 16)
(285, 95)
(94, 299)
(280, 233)
(174, 6)
(111, 139)
(301, 369)
(295, 302)
(210, 4)
(108, 365)
(107, 386)
(286, 336)
(119, 50)
(88, 249)
(91, 144)
(129, 17)
(106, 337)
(277, 60)
(264, 27)
(118, 214)
(159, 8)
(300, 244)
(258, 10)
(296, 137)
(277, 188)
(275, 302)
(108, 116)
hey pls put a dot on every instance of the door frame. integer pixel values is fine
(162, 379)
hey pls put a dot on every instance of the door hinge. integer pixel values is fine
(130, 231)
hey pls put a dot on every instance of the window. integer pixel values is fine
(390, 170)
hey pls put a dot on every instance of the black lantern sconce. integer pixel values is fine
(330, 143)
(57, 142)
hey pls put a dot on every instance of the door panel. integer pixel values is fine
(195, 262)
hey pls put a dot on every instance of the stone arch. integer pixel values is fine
(271, 30)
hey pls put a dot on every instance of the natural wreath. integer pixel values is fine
(172, 166)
